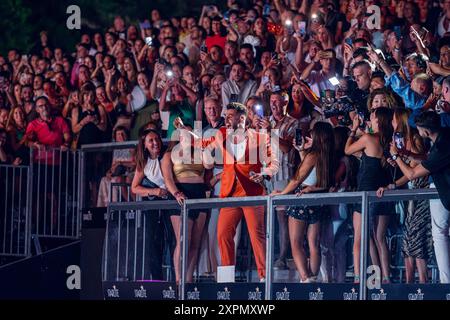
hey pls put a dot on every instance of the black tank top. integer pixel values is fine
(90, 133)
(371, 174)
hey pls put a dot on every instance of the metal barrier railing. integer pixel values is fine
(119, 190)
(134, 238)
(15, 207)
(365, 198)
(88, 150)
(55, 189)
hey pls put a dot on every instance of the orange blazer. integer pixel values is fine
(253, 161)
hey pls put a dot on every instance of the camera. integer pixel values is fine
(340, 108)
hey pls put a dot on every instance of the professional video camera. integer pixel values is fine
(339, 108)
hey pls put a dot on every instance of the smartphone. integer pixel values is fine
(264, 79)
(398, 32)
(353, 22)
(334, 81)
(274, 56)
(169, 73)
(234, 97)
(149, 41)
(144, 25)
(302, 28)
(314, 18)
(349, 41)
(399, 140)
(259, 110)
(203, 48)
(298, 137)
(362, 117)
(266, 10)
(423, 32)
(288, 25)
(326, 55)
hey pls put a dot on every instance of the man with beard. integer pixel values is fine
(247, 158)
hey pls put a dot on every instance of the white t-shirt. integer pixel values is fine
(153, 172)
(238, 150)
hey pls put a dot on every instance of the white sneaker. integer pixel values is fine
(262, 280)
(307, 280)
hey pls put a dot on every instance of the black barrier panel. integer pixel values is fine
(225, 291)
(140, 290)
(315, 291)
(412, 292)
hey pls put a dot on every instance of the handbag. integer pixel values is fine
(147, 183)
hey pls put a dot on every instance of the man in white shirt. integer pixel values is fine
(237, 89)
(319, 79)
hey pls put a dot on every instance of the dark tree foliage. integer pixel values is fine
(22, 20)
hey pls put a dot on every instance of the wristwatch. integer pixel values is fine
(394, 156)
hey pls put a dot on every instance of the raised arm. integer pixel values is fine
(304, 170)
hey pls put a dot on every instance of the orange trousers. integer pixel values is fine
(226, 229)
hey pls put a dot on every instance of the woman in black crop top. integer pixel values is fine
(89, 120)
(373, 173)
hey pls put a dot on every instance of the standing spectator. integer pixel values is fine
(47, 131)
(438, 166)
(217, 37)
(237, 89)
(417, 245)
(89, 120)
(371, 176)
(315, 174)
(319, 80)
(286, 126)
(180, 104)
(17, 125)
(184, 179)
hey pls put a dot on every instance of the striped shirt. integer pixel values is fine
(286, 131)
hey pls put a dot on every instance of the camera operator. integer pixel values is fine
(362, 74)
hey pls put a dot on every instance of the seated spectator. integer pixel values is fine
(122, 167)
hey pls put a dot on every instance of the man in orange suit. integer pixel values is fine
(247, 158)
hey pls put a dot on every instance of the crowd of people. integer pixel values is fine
(356, 105)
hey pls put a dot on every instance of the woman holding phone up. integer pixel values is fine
(315, 174)
(372, 175)
(417, 244)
